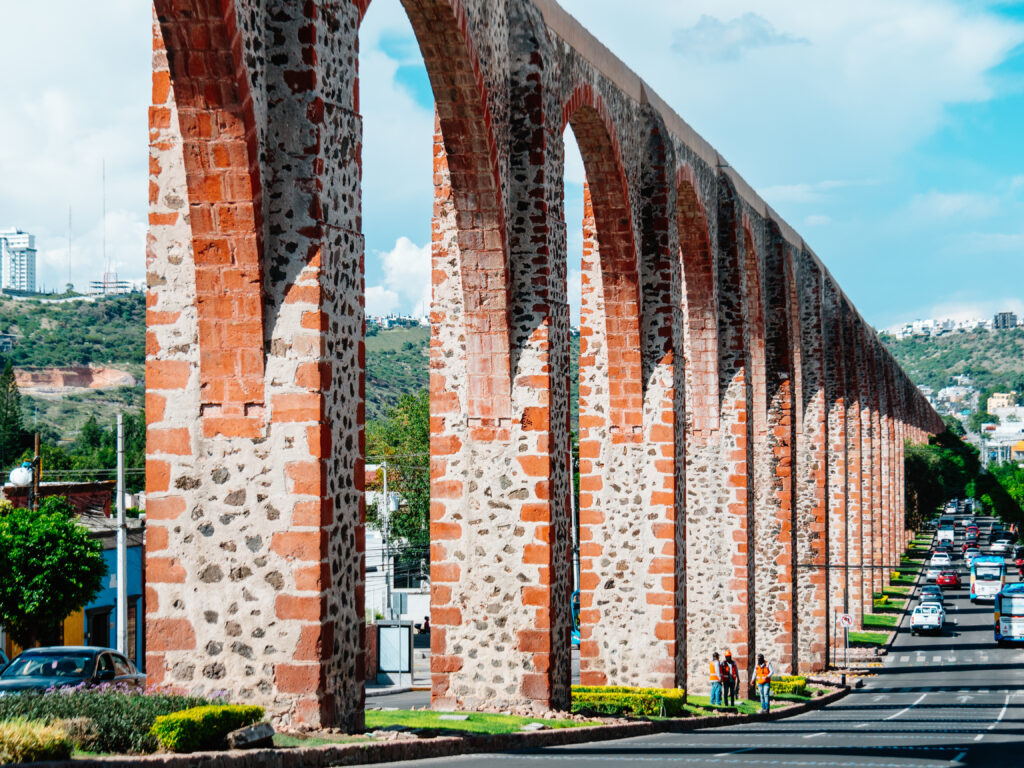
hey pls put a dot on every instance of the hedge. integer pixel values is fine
(623, 700)
(24, 741)
(793, 684)
(203, 727)
(120, 719)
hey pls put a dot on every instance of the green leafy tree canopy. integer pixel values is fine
(50, 566)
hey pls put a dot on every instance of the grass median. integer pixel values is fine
(474, 722)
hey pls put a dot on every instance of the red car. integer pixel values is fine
(972, 530)
(948, 580)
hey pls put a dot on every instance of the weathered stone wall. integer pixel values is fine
(741, 428)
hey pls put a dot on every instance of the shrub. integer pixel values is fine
(122, 718)
(623, 700)
(24, 741)
(793, 684)
(203, 727)
(82, 732)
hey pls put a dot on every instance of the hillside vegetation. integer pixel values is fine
(109, 331)
(993, 359)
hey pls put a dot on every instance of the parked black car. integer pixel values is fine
(39, 669)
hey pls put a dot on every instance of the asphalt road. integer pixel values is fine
(944, 700)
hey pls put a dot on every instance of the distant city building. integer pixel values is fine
(17, 260)
(1004, 320)
(937, 327)
(998, 400)
(110, 285)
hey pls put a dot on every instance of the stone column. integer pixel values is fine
(256, 456)
(837, 457)
(854, 471)
(811, 478)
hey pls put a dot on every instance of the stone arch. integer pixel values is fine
(609, 238)
(468, 193)
(700, 322)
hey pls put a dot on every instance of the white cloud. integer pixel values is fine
(809, 192)
(711, 39)
(945, 206)
(817, 220)
(406, 283)
(67, 109)
(875, 78)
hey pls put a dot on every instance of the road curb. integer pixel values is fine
(442, 746)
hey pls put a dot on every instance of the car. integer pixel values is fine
(972, 530)
(928, 589)
(1001, 544)
(949, 580)
(1018, 559)
(40, 669)
(970, 554)
(927, 618)
(933, 596)
(941, 558)
(969, 544)
(933, 570)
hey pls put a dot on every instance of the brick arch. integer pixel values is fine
(611, 240)
(700, 322)
(466, 173)
(219, 147)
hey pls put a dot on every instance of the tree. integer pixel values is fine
(13, 437)
(50, 566)
(980, 417)
(953, 425)
(403, 441)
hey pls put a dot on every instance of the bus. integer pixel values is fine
(987, 575)
(575, 636)
(1009, 614)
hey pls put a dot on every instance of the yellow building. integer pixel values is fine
(1001, 400)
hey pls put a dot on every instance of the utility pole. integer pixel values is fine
(386, 525)
(37, 470)
(122, 546)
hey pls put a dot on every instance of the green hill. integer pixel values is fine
(993, 359)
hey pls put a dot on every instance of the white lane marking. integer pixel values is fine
(995, 722)
(862, 725)
(936, 659)
(813, 735)
(735, 752)
(907, 709)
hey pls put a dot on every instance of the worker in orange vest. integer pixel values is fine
(763, 676)
(730, 679)
(715, 676)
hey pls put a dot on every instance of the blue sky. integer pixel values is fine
(885, 131)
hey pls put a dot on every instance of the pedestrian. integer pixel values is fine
(715, 675)
(763, 674)
(730, 679)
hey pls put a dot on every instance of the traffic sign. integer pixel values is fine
(845, 620)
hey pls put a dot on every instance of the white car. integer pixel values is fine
(941, 558)
(932, 571)
(1001, 545)
(969, 556)
(927, 618)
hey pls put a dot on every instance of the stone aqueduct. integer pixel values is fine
(741, 426)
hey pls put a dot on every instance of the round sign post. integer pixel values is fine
(846, 621)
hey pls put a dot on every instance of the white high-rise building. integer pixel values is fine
(17, 260)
